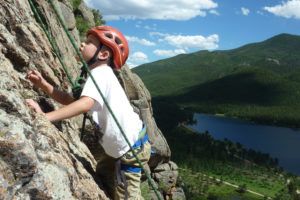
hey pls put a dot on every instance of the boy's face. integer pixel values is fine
(89, 47)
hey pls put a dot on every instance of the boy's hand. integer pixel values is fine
(34, 105)
(36, 79)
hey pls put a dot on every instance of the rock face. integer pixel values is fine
(38, 159)
(87, 14)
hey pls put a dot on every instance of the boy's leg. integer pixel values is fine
(133, 180)
(106, 172)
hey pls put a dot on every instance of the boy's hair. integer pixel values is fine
(115, 41)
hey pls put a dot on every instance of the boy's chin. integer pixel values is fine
(78, 59)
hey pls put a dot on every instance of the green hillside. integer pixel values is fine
(206, 164)
(257, 81)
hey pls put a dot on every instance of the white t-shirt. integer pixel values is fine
(112, 141)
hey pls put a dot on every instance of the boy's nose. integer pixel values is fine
(81, 46)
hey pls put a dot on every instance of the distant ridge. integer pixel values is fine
(279, 54)
(258, 80)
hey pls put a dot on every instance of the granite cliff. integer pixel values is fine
(42, 160)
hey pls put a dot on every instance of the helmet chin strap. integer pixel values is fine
(94, 58)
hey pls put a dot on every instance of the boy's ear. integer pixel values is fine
(104, 55)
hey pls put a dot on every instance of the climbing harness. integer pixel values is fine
(121, 178)
(121, 168)
(142, 139)
(87, 71)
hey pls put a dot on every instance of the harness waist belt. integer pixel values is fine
(143, 132)
(141, 141)
(132, 169)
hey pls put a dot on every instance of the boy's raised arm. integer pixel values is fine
(82, 105)
(38, 80)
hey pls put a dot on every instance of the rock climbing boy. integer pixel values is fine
(105, 49)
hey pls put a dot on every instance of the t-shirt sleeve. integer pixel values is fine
(90, 89)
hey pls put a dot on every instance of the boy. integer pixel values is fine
(119, 170)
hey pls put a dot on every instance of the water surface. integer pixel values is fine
(280, 142)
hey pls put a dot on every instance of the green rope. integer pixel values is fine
(101, 94)
(51, 40)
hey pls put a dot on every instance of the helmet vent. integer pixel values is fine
(109, 35)
(118, 40)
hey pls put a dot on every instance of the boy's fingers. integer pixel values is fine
(33, 76)
(28, 74)
(34, 105)
(37, 73)
(29, 101)
(32, 73)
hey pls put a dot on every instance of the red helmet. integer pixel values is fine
(113, 39)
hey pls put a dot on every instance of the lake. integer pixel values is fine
(280, 142)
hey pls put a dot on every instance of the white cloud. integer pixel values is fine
(152, 27)
(147, 27)
(188, 41)
(259, 12)
(140, 41)
(137, 58)
(168, 53)
(158, 34)
(138, 24)
(152, 9)
(288, 9)
(214, 12)
(245, 11)
(193, 41)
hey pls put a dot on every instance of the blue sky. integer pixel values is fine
(158, 29)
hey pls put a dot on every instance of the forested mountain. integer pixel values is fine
(257, 81)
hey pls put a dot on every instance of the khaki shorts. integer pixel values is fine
(106, 170)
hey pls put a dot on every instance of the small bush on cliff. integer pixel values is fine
(98, 17)
(81, 24)
(76, 3)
